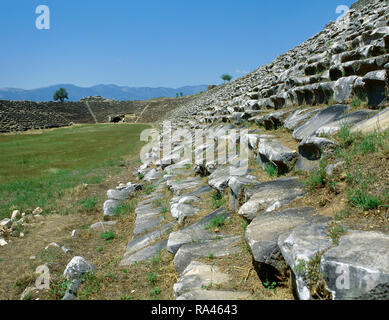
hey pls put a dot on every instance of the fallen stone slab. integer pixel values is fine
(149, 200)
(298, 116)
(348, 120)
(217, 248)
(276, 153)
(195, 232)
(152, 175)
(219, 183)
(178, 167)
(183, 208)
(270, 196)
(378, 122)
(147, 222)
(236, 186)
(198, 275)
(103, 224)
(144, 254)
(123, 193)
(298, 247)
(169, 160)
(177, 187)
(214, 295)
(263, 232)
(141, 242)
(325, 116)
(199, 191)
(6, 222)
(358, 268)
(220, 178)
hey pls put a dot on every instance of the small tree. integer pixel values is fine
(226, 77)
(61, 95)
(181, 94)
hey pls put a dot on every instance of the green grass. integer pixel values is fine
(36, 169)
(360, 198)
(151, 277)
(216, 223)
(150, 189)
(155, 292)
(317, 178)
(126, 208)
(108, 235)
(91, 286)
(271, 170)
(89, 204)
(217, 199)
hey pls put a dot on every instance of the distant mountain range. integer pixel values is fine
(109, 91)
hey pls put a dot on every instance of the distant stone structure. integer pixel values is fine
(96, 99)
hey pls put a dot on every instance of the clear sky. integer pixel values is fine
(152, 43)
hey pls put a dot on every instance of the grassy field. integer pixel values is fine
(37, 168)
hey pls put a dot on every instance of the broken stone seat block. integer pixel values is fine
(277, 154)
(263, 232)
(182, 207)
(325, 116)
(348, 120)
(177, 187)
(198, 275)
(236, 186)
(378, 122)
(298, 116)
(219, 178)
(218, 248)
(146, 220)
(141, 242)
(312, 148)
(123, 193)
(144, 254)
(270, 196)
(299, 247)
(195, 232)
(358, 268)
(202, 294)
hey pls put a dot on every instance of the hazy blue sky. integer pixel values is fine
(152, 43)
